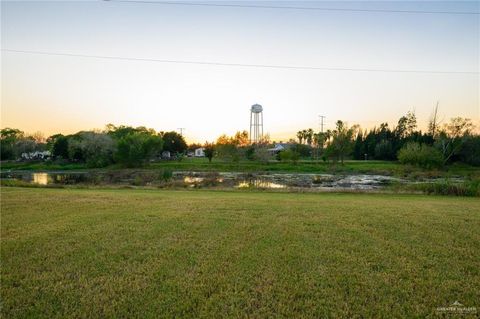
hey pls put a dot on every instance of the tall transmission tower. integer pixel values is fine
(321, 122)
(256, 123)
(181, 129)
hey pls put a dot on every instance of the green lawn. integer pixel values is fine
(212, 254)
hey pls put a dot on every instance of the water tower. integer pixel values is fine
(256, 123)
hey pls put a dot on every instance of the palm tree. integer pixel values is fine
(309, 136)
(300, 136)
(319, 139)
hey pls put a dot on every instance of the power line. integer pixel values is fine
(292, 7)
(223, 64)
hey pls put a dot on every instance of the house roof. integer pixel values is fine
(278, 147)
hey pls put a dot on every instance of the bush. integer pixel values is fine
(250, 153)
(166, 174)
(262, 155)
(228, 152)
(421, 155)
(467, 188)
(289, 155)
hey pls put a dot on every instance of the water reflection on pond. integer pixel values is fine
(207, 179)
(40, 178)
(44, 178)
(258, 183)
(192, 180)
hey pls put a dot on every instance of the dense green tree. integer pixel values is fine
(60, 147)
(75, 149)
(25, 145)
(406, 125)
(8, 139)
(359, 148)
(209, 151)
(97, 148)
(342, 141)
(135, 149)
(469, 151)
(452, 137)
(384, 150)
(304, 151)
(173, 142)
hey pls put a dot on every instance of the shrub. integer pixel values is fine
(262, 155)
(228, 152)
(421, 155)
(250, 153)
(166, 174)
(289, 155)
(467, 188)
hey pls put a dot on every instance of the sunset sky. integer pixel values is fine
(52, 93)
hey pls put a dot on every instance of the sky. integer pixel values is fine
(66, 94)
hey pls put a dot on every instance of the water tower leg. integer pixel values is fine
(250, 128)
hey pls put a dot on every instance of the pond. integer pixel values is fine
(310, 181)
(206, 179)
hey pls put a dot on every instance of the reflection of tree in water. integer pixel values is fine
(259, 183)
(40, 178)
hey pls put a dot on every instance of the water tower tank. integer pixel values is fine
(256, 108)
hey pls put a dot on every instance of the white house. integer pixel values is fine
(200, 152)
(166, 154)
(36, 155)
(279, 147)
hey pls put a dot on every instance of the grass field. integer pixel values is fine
(149, 254)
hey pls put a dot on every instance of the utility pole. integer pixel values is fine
(321, 122)
(181, 129)
(434, 121)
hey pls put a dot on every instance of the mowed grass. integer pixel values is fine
(212, 254)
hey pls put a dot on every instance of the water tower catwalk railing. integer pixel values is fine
(256, 123)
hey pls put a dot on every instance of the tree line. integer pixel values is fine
(128, 146)
(125, 145)
(441, 144)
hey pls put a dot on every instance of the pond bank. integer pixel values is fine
(238, 180)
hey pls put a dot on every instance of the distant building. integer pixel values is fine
(36, 155)
(200, 152)
(166, 155)
(279, 147)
